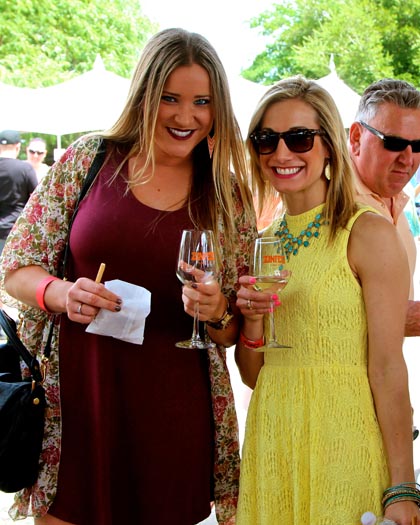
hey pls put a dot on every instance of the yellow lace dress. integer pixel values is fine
(313, 452)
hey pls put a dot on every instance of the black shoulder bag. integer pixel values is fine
(22, 401)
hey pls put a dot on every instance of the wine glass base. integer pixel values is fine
(194, 345)
(275, 344)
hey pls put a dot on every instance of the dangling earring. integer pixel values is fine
(327, 172)
(210, 144)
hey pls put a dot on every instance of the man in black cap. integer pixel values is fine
(17, 181)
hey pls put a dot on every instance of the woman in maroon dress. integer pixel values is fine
(139, 433)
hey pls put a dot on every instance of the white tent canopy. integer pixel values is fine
(89, 102)
(245, 96)
(92, 101)
(346, 99)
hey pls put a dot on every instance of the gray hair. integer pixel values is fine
(387, 90)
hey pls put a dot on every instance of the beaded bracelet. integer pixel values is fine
(408, 491)
(40, 291)
(249, 343)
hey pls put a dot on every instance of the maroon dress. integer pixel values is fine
(137, 429)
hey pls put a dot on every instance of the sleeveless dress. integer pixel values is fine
(136, 419)
(313, 450)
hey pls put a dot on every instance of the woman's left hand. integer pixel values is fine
(212, 303)
(254, 303)
(403, 512)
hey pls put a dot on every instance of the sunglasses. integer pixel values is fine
(392, 143)
(298, 141)
(34, 152)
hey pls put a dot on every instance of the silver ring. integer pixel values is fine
(249, 304)
(79, 310)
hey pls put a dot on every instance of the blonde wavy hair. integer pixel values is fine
(340, 204)
(212, 197)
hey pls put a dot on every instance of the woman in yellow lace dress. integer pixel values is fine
(329, 423)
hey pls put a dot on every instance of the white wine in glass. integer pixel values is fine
(196, 263)
(267, 265)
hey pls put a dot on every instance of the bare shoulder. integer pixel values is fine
(373, 238)
(372, 227)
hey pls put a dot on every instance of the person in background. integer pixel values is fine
(384, 146)
(139, 434)
(410, 209)
(35, 155)
(17, 182)
(328, 432)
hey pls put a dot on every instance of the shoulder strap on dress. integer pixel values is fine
(362, 208)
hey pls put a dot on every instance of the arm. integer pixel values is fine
(412, 323)
(35, 245)
(61, 296)
(248, 360)
(379, 260)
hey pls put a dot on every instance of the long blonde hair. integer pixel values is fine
(340, 204)
(212, 197)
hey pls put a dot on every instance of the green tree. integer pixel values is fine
(46, 42)
(369, 39)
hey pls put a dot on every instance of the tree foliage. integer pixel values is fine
(369, 39)
(46, 42)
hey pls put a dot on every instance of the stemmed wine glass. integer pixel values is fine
(267, 265)
(196, 263)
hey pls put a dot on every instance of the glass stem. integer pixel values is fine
(272, 327)
(196, 334)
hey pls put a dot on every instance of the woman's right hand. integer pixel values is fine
(81, 300)
(252, 302)
(86, 297)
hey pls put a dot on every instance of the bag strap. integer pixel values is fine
(7, 323)
(9, 327)
(90, 177)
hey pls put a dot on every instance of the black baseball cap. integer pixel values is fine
(10, 136)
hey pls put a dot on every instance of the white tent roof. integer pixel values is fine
(346, 99)
(245, 96)
(89, 102)
(93, 101)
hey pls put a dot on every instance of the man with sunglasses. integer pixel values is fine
(385, 149)
(35, 153)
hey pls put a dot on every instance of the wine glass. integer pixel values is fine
(196, 263)
(267, 265)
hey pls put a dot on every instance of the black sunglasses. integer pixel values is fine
(298, 141)
(34, 152)
(392, 143)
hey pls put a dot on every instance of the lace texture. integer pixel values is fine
(313, 451)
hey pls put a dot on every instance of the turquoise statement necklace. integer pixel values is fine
(293, 243)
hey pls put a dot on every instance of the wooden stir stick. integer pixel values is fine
(100, 273)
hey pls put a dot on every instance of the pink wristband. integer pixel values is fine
(249, 343)
(40, 291)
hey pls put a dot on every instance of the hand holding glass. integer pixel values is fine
(196, 263)
(267, 265)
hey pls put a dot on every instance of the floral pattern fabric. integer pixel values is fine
(38, 238)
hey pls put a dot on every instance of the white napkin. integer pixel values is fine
(127, 324)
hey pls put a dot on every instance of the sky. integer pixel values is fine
(223, 22)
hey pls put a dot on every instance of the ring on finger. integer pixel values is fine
(249, 304)
(79, 310)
